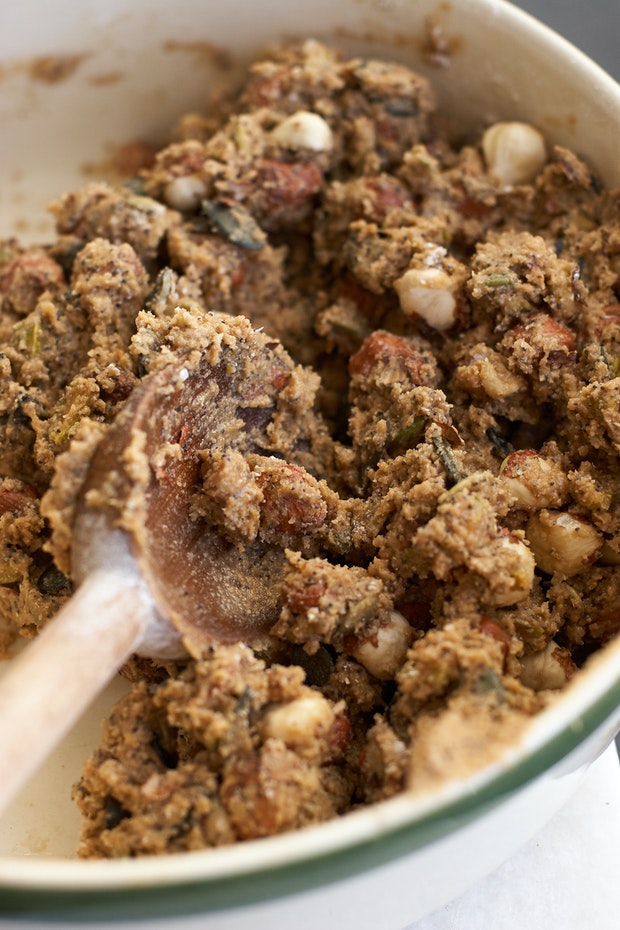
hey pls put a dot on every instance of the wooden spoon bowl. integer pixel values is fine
(154, 577)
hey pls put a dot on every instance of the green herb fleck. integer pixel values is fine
(502, 445)
(447, 460)
(144, 204)
(488, 682)
(9, 576)
(27, 336)
(406, 438)
(500, 280)
(135, 185)
(235, 224)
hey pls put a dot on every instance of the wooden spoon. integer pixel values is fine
(152, 578)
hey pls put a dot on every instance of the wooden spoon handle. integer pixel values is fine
(50, 684)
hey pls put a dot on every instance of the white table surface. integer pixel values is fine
(566, 878)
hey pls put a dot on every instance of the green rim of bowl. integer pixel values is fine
(208, 893)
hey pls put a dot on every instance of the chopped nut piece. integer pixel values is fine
(185, 193)
(562, 542)
(303, 724)
(534, 481)
(428, 294)
(548, 669)
(514, 152)
(304, 130)
(384, 651)
(487, 375)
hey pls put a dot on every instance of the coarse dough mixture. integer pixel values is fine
(442, 472)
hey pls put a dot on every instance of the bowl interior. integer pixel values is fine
(76, 88)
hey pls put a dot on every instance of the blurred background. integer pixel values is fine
(592, 25)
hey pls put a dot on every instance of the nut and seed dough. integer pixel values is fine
(442, 470)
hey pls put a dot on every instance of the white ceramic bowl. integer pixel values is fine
(137, 66)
